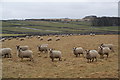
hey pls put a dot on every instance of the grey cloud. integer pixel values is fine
(58, 9)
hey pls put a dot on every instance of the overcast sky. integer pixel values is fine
(22, 9)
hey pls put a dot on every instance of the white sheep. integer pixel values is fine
(38, 37)
(49, 39)
(41, 38)
(91, 34)
(43, 47)
(22, 39)
(108, 45)
(104, 51)
(91, 55)
(2, 40)
(22, 47)
(58, 38)
(55, 54)
(6, 52)
(25, 54)
(78, 50)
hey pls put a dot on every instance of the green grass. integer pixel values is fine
(53, 27)
(11, 34)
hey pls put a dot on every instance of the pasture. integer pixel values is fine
(69, 67)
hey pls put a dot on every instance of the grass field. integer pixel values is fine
(70, 66)
(53, 27)
(11, 34)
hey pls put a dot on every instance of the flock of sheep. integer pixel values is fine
(25, 52)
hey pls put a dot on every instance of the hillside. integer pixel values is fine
(53, 27)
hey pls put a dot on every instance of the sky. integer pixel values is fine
(74, 9)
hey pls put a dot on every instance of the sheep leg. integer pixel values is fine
(21, 59)
(76, 55)
(96, 59)
(107, 55)
(87, 60)
(60, 59)
(92, 59)
(52, 59)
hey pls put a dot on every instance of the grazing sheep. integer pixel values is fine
(78, 50)
(56, 35)
(6, 52)
(108, 45)
(49, 39)
(25, 54)
(104, 51)
(22, 39)
(91, 55)
(91, 34)
(23, 48)
(41, 38)
(43, 47)
(27, 37)
(58, 38)
(38, 37)
(2, 40)
(55, 54)
(10, 38)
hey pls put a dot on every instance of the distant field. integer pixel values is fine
(11, 34)
(30, 27)
(70, 66)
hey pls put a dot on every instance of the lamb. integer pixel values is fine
(43, 47)
(49, 39)
(58, 38)
(91, 55)
(55, 54)
(25, 54)
(6, 52)
(78, 50)
(22, 47)
(104, 51)
(108, 45)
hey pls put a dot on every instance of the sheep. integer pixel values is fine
(43, 47)
(108, 45)
(91, 55)
(27, 37)
(55, 54)
(104, 51)
(78, 50)
(91, 34)
(41, 38)
(58, 38)
(22, 47)
(2, 40)
(49, 39)
(22, 39)
(10, 38)
(38, 37)
(56, 35)
(25, 54)
(6, 52)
